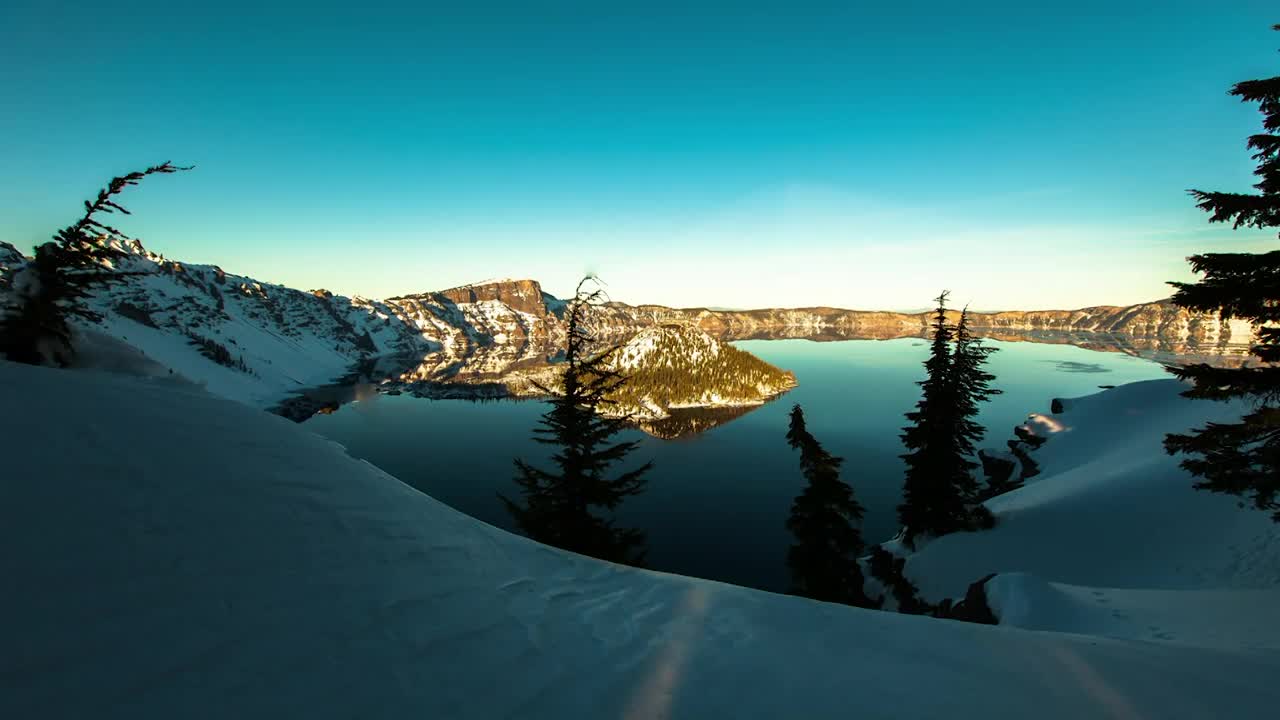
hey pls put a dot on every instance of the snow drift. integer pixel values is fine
(171, 554)
(1111, 538)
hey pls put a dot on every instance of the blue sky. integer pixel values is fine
(1024, 155)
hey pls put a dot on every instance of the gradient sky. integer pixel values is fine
(1023, 154)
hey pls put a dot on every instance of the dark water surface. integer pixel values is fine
(717, 502)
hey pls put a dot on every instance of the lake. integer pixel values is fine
(717, 502)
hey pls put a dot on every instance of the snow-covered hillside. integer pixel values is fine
(172, 554)
(244, 339)
(1111, 539)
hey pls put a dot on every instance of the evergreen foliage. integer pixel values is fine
(1243, 458)
(570, 507)
(824, 519)
(218, 353)
(941, 493)
(683, 366)
(51, 290)
(890, 571)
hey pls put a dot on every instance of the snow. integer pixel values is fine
(1111, 539)
(176, 554)
(289, 340)
(1215, 618)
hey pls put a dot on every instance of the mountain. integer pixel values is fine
(1158, 326)
(1156, 330)
(262, 342)
(253, 341)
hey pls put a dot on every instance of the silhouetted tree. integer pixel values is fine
(1241, 458)
(50, 290)
(824, 520)
(568, 507)
(940, 490)
(933, 502)
(890, 570)
(971, 385)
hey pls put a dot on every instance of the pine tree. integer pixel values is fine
(51, 290)
(940, 491)
(1242, 458)
(824, 520)
(932, 502)
(971, 385)
(569, 507)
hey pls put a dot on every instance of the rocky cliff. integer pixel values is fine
(1158, 330)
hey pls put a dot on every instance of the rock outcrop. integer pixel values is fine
(521, 295)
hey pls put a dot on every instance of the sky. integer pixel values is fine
(1021, 154)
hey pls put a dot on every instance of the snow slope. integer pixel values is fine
(1111, 538)
(1210, 617)
(167, 553)
(275, 340)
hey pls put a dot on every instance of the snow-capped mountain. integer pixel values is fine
(261, 342)
(242, 338)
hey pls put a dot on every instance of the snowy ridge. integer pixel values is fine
(244, 567)
(244, 339)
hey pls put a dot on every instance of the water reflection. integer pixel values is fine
(717, 502)
(483, 368)
(512, 369)
(685, 423)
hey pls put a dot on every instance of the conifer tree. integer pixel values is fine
(570, 507)
(824, 520)
(940, 491)
(971, 385)
(932, 502)
(51, 290)
(1241, 458)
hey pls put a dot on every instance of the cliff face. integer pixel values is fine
(524, 296)
(1157, 320)
(1157, 327)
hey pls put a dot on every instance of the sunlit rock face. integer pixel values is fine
(1158, 320)
(521, 295)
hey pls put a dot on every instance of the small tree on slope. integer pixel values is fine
(1241, 458)
(568, 507)
(824, 520)
(50, 291)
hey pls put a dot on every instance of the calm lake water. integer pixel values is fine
(717, 503)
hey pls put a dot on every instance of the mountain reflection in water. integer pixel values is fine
(515, 370)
